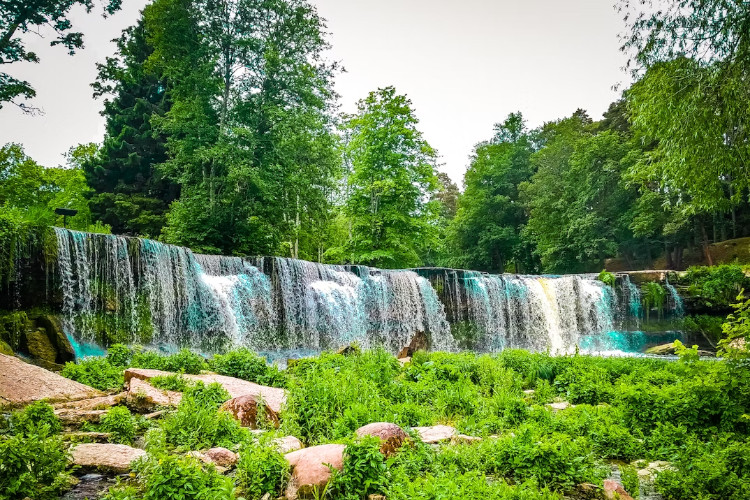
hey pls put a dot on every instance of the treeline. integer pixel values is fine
(223, 134)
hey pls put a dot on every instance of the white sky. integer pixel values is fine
(465, 65)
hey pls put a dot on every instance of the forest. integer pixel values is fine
(224, 134)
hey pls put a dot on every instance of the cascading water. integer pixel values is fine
(142, 291)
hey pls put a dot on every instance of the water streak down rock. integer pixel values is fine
(119, 289)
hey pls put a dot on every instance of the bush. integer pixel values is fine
(120, 424)
(174, 382)
(716, 286)
(183, 361)
(468, 485)
(262, 469)
(36, 418)
(170, 476)
(364, 470)
(95, 372)
(247, 365)
(198, 424)
(33, 465)
(119, 355)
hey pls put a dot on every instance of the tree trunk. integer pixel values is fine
(704, 243)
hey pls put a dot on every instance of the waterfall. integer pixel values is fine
(675, 303)
(120, 289)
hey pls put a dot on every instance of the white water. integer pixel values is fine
(166, 295)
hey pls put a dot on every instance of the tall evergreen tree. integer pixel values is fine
(130, 194)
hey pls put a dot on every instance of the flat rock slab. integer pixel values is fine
(560, 405)
(435, 433)
(77, 417)
(110, 457)
(273, 397)
(141, 394)
(22, 383)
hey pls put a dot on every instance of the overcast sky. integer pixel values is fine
(464, 64)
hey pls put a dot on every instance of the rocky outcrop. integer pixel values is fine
(435, 433)
(22, 383)
(391, 435)
(614, 490)
(310, 468)
(73, 417)
(273, 397)
(143, 396)
(56, 335)
(245, 410)
(110, 457)
(419, 342)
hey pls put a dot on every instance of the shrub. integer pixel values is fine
(468, 485)
(119, 355)
(35, 418)
(183, 361)
(736, 343)
(716, 286)
(174, 382)
(630, 480)
(262, 469)
(95, 372)
(364, 470)
(33, 465)
(607, 278)
(183, 477)
(247, 365)
(198, 424)
(120, 424)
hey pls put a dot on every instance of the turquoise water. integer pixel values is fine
(624, 341)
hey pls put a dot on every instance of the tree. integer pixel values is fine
(18, 18)
(391, 182)
(487, 230)
(130, 194)
(249, 133)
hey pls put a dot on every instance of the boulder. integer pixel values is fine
(310, 468)
(272, 396)
(245, 409)
(615, 491)
(287, 444)
(110, 457)
(435, 433)
(661, 350)
(464, 439)
(221, 457)
(419, 342)
(391, 435)
(38, 345)
(22, 383)
(56, 335)
(144, 396)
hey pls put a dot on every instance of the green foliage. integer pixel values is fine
(654, 296)
(95, 372)
(247, 365)
(630, 480)
(198, 424)
(486, 231)
(33, 418)
(33, 463)
(183, 361)
(607, 278)
(17, 19)
(120, 424)
(174, 382)
(736, 341)
(170, 476)
(717, 470)
(391, 181)
(708, 326)
(261, 470)
(119, 355)
(364, 471)
(715, 287)
(469, 485)
(686, 354)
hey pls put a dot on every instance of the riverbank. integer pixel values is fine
(510, 425)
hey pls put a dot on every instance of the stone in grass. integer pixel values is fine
(107, 457)
(245, 410)
(144, 396)
(218, 456)
(287, 444)
(615, 491)
(391, 435)
(560, 405)
(436, 433)
(310, 468)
